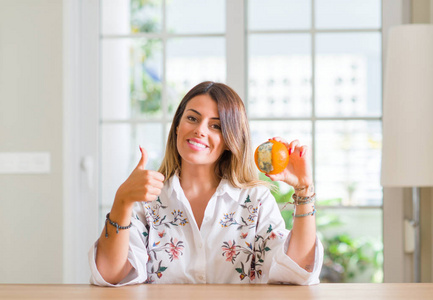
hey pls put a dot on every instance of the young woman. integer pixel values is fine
(205, 217)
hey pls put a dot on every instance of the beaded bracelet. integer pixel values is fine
(107, 219)
(311, 213)
(299, 200)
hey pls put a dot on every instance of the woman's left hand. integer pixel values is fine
(298, 171)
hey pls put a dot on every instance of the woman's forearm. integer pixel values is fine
(303, 234)
(112, 251)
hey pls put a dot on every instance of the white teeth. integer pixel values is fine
(197, 144)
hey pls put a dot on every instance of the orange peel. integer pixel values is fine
(271, 157)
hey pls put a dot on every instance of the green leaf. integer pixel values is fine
(248, 199)
(239, 270)
(269, 229)
(145, 234)
(267, 249)
(162, 269)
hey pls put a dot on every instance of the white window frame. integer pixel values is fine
(81, 130)
(80, 135)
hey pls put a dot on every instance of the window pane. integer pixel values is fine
(348, 74)
(191, 61)
(131, 78)
(348, 156)
(133, 16)
(261, 131)
(348, 14)
(196, 16)
(279, 14)
(121, 154)
(352, 239)
(279, 75)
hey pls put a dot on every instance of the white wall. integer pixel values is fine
(31, 218)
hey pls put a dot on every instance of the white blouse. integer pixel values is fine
(242, 239)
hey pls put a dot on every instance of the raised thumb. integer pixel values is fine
(143, 159)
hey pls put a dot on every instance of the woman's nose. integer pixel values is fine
(200, 130)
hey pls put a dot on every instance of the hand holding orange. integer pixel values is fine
(271, 157)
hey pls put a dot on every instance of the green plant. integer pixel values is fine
(347, 258)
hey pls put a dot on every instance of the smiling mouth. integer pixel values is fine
(197, 144)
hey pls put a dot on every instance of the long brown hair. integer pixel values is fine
(236, 164)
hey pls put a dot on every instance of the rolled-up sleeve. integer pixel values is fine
(285, 270)
(137, 257)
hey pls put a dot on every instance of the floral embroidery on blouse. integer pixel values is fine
(229, 251)
(154, 218)
(229, 218)
(174, 248)
(157, 272)
(254, 257)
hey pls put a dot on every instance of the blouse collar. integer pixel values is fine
(224, 188)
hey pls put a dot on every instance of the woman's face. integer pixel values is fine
(199, 136)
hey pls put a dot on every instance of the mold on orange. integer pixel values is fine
(271, 157)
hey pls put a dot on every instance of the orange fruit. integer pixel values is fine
(271, 157)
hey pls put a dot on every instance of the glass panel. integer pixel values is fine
(348, 74)
(167, 132)
(348, 14)
(352, 239)
(261, 131)
(279, 75)
(348, 158)
(191, 61)
(279, 14)
(151, 138)
(120, 154)
(131, 78)
(196, 16)
(133, 16)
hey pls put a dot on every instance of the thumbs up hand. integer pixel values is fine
(141, 185)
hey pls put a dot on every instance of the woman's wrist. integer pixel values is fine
(304, 191)
(121, 211)
(307, 209)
